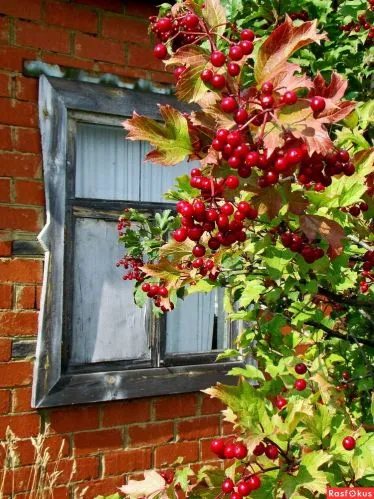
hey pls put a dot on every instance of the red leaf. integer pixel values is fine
(332, 232)
(268, 201)
(281, 44)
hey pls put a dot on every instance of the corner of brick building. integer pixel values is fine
(110, 441)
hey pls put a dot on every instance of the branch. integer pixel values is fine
(355, 302)
(360, 243)
(330, 333)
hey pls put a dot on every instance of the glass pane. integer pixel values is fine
(110, 167)
(197, 324)
(106, 323)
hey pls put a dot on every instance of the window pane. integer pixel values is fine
(106, 323)
(197, 324)
(110, 167)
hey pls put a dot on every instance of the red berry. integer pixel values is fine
(254, 482)
(179, 71)
(281, 402)
(349, 443)
(194, 233)
(160, 51)
(163, 291)
(252, 158)
(227, 209)
(217, 145)
(228, 104)
(267, 101)
(191, 21)
(301, 368)
(234, 138)
(232, 181)
(289, 98)
(240, 451)
(267, 88)
(354, 211)
(259, 449)
(294, 156)
(217, 58)
(180, 234)
(280, 164)
(246, 46)
(233, 69)
(217, 446)
(222, 134)
(364, 206)
(346, 375)
(145, 287)
(229, 451)
(244, 488)
(247, 34)
(271, 177)
(227, 486)
(271, 451)
(318, 104)
(300, 385)
(235, 495)
(218, 81)
(206, 75)
(241, 116)
(164, 24)
(235, 53)
(214, 243)
(343, 156)
(154, 290)
(198, 250)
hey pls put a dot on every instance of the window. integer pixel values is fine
(94, 344)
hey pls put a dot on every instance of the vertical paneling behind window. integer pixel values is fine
(107, 325)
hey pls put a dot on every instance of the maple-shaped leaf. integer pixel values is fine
(268, 201)
(164, 270)
(171, 139)
(297, 203)
(214, 14)
(190, 87)
(280, 45)
(286, 79)
(177, 251)
(315, 225)
(152, 485)
(222, 120)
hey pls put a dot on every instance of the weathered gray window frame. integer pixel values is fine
(55, 383)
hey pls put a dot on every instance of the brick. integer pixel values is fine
(26, 9)
(167, 454)
(142, 57)
(18, 113)
(27, 88)
(176, 406)
(5, 137)
(92, 442)
(21, 270)
(4, 29)
(117, 463)
(121, 413)
(17, 480)
(98, 49)
(4, 401)
(38, 296)
(26, 219)
(195, 428)
(27, 140)
(5, 248)
(15, 374)
(151, 434)
(85, 468)
(42, 37)
(5, 85)
(205, 453)
(22, 400)
(211, 405)
(123, 71)
(29, 192)
(18, 323)
(141, 9)
(12, 57)
(68, 16)
(19, 165)
(74, 419)
(6, 291)
(67, 61)
(26, 297)
(112, 5)
(4, 190)
(106, 486)
(22, 425)
(57, 447)
(227, 428)
(125, 29)
(5, 349)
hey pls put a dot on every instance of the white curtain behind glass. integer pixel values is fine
(109, 167)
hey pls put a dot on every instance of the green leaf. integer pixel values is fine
(228, 354)
(233, 8)
(214, 15)
(171, 139)
(250, 372)
(182, 477)
(252, 292)
(201, 286)
(183, 190)
(276, 260)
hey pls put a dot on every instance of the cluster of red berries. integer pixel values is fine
(167, 475)
(180, 30)
(132, 265)
(301, 14)
(224, 223)
(122, 225)
(362, 24)
(300, 244)
(367, 273)
(157, 292)
(356, 209)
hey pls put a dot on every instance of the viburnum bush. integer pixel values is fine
(279, 213)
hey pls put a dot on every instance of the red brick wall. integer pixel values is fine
(108, 440)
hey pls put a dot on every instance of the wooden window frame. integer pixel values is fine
(61, 104)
